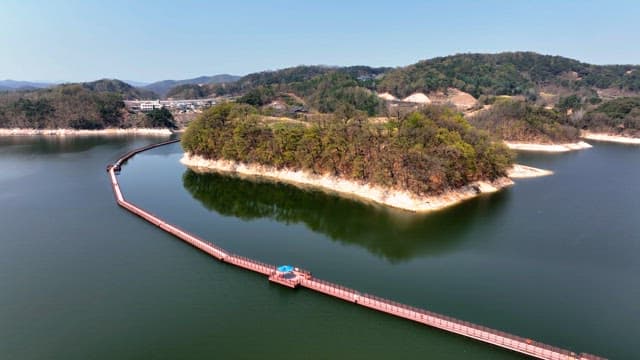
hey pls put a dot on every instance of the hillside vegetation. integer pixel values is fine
(322, 88)
(426, 152)
(324, 93)
(514, 120)
(620, 116)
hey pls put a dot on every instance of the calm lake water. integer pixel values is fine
(554, 259)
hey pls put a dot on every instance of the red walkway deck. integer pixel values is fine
(481, 333)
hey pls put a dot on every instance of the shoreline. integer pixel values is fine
(399, 199)
(552, 148)
(84, 132)
(610, 138)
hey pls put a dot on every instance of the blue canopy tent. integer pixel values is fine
(285, 268)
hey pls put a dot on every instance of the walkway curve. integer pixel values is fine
(305, 279)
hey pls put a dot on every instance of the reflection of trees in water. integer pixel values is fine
(393, 234)
(52, 145)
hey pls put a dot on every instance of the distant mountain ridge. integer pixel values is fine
(11, 85)
(162, 87)
(127, 91)
(159, 88)
(136, 83)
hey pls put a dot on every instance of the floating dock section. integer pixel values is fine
(294, 277)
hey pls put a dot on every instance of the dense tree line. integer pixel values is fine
(426, 152)
(78, 106)
(515, 120)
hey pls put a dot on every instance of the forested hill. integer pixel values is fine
(288, 78)
(93, 105)
(509, 73)
(320, 88)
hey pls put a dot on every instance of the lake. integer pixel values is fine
(554, 259)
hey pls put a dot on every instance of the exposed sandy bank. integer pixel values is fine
(390, 197)
(74, 132)
(522, 172)
(610, 138)
(461, 100)
(547, 147)
(417, 98)
(387, 96)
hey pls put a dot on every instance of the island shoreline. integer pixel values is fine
(398, 199)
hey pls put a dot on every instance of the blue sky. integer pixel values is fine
(155, 40)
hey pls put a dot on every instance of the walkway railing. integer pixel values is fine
(474, 331)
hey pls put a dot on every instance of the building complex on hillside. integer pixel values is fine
(178, 105)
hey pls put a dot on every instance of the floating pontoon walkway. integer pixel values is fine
(296, 277)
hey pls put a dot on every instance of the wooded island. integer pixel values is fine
(427, 152)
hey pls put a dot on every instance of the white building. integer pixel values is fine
(150, 105)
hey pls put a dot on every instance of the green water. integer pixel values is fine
(554, 259)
